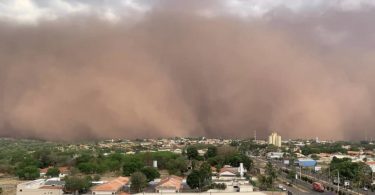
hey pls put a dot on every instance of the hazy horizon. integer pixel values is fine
(78, 70)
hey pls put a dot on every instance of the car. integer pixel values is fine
(365, 189)
(281, 187)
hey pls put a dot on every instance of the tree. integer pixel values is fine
(177, 166)
(292, 174)
(96, 177)
(271, 172)
(53, 172)
(247, 162)
(28, 172)
(315, 157)
(266, 181)
(150, 172)
(205, 174)
(192, 152)
(138, 182)
(87, 167)
(131, 165)
(194, 180)
(211, 151)
(76, 184)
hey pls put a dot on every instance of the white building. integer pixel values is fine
(51, 186)
(274, 139)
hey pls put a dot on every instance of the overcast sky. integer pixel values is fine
(73, 69)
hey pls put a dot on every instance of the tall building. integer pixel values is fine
(274, 139)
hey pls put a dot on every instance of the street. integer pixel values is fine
(302, 187)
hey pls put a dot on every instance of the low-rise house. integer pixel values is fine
(202, 152)
(51, 186)
(354, 153)
(275, 155)
(230, 173)
(115, 186)
(64, 171)
(170, 184)
(177, 151)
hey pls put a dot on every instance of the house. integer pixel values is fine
(230, 173)
(169, 184)
(115, 186)
(354, 153)
(202, 152)
(51, 186)
(275, 155)
(64, 171)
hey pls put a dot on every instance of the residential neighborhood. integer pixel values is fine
(187, 165)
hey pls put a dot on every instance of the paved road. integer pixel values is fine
(298, 188)
(306, 187)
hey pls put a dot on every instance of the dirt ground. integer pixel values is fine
(9, 185)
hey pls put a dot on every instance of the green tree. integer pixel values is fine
(28, 172)
(53, 172)
(96, 177)
(131, 165)
(138, 181)
(177, 166)
(211, 151)
(271, 172)
(194, 180)
(151, 173)
(315, 157)
(76, 185)
(292, 174)
(87, 167)
(205, 174)
(192, 152)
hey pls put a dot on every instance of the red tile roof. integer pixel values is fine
(171, 182)
(114, 185)
(233, 170)
(61, 169)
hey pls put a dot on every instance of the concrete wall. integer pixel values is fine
(39, 191)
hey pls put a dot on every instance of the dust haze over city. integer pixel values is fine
(73, 70)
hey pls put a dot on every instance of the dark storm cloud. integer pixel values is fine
(188, 70)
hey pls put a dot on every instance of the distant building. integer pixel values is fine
(306, 162)
(275, 155)
(274, 139)
(51, 186)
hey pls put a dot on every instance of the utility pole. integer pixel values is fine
(329, 173)
(338, 181)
